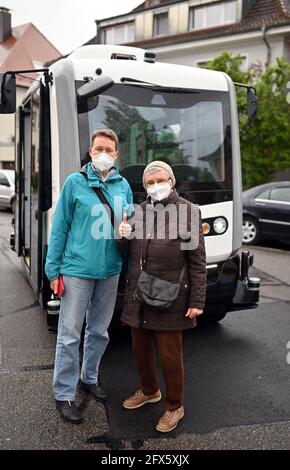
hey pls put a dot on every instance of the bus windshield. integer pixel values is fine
(188, 129)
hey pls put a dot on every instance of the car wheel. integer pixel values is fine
(212, 318)
(251, 231)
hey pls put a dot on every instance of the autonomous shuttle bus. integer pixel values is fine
(183, 115)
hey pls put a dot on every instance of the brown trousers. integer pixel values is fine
(171, 357)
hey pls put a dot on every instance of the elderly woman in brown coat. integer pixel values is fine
(168, 258)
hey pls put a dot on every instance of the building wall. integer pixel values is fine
(7, 122)
(253, 50)
(250, 45)
(286, 50)
(178, 18)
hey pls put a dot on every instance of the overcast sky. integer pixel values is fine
(66, 23)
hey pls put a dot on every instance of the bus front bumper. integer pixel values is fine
(230, 286)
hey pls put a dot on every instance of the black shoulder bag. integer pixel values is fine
(156, 293)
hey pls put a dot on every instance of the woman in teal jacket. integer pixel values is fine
(83, 249)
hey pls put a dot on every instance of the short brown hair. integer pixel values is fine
(109, 133)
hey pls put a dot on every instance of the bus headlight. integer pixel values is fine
(220, 225)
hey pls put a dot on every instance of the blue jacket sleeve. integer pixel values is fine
(60, 226)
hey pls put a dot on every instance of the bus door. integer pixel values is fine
(34, 190)
(30, 186)
(25, 194)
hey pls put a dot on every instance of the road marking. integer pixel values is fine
(22, 309)
(31, 368)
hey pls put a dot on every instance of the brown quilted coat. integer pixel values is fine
(165, 259)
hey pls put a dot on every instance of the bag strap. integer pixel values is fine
(182, 272)
(104, 201)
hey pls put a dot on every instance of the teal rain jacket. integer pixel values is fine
(82, 242)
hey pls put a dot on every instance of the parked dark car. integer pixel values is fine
(266, 213)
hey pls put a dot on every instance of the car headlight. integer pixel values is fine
(220, 225)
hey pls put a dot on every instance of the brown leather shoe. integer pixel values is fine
(139, 399)
(170, 420)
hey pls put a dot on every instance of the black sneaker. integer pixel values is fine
(68, 411)
(95, 390)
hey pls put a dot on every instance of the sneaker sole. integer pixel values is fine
(171, 429)
(152, 400)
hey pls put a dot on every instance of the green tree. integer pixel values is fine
(265, 145)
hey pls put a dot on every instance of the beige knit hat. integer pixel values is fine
(162, 166)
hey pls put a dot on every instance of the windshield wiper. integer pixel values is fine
(134, 80)
(160, 88)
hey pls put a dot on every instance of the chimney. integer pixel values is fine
(5, 24)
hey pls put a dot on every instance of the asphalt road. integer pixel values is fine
(237, 375)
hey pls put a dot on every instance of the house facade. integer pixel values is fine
(22, 47)
(193, 32)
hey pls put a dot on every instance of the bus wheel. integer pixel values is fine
(212, 317)
(251, 231)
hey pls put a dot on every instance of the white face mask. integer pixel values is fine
(159, 191)
(103, 161)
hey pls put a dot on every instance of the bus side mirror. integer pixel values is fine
(94, 87)
(252, 105)
(7, 93)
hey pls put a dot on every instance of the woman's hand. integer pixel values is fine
(125, 230)
(193, 312)
(54, 285)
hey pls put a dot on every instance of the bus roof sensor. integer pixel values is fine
(116, 55)
(149, 57)
(158, 100)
